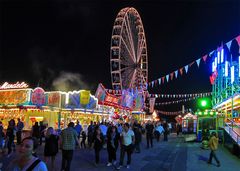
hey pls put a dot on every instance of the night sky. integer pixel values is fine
(48, 43)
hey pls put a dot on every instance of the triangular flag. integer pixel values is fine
(159, 81)
(198, 61)
(210, 54)
(186, 68)
(167, 77)
(191, 63)
(204, 58)
(163, 80)
(171, 75)
(238, 40)
(176, 73)
(181, 71)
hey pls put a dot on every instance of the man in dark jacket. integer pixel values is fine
(149, 133)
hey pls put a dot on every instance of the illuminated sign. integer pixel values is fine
(38, 97)
(6, 85)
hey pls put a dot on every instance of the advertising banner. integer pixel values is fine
(100, 93)
(152, 104)
(38, 97)
(14, 97)
(54, 99)
(84, 97)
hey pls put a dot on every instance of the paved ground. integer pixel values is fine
(173, 155)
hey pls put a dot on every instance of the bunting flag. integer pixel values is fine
(171, 75)
(238, 40)
(186, 68)
(191, 63)
(163, 80)
(180, 95)
(175, 102)
(169, 113)
(181, 71)
(205, 58)
(167, 77)
(229, 44)
(159, 81)
(176, 73)
(198, 61)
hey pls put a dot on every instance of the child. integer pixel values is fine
(84, 136)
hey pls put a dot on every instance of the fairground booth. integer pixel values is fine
(54, 108)
(189, 124)
(207, 122)
(127, 104)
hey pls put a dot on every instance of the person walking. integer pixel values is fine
(98, 143)
(78, 128)
(90, 134)
(138, 136)
(84, 137)
(159, 129)
(127, 141)
(149, 133)
(42, 128)
(20, 127)
(36, 131)
(68, 141)
(51, 147)
(113, 138)
(213, 145)
(10, 134)
(166, 131)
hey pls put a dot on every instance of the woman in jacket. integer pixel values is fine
(113, 138)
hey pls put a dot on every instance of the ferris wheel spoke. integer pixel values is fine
(127, 76)
(130, 35)
(132, 83)
(140, 47)
(131, 55)
(128, 39)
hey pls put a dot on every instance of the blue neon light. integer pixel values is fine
(213, 67)
(218, 57)
(215, 62)
(222, 55)
(232, 74)
(226, 68)
(239, 66)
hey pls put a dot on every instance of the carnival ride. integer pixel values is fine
(128, 55)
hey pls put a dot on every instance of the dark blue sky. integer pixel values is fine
(44, 40)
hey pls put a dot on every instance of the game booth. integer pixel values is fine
(209, 121)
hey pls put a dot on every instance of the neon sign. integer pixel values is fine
(6, 85)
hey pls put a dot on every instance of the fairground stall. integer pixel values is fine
(189, 124)
(127, 104)
(30, 105)
(207, 122)
(53, 109)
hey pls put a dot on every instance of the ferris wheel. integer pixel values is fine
(128, 55)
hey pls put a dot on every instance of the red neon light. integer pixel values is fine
(6, 85)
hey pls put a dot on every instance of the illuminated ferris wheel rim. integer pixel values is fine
(129, 64)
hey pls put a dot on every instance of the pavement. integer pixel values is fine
(174, 155)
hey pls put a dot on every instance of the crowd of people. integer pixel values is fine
(105, 135)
